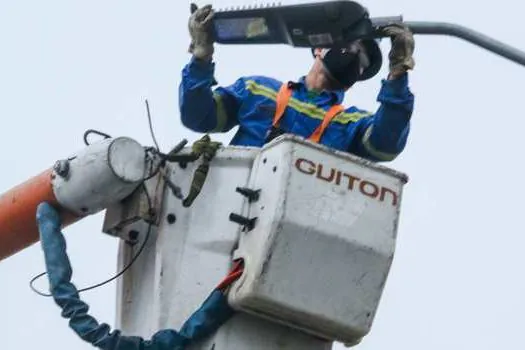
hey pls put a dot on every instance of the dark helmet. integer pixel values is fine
(374, 55)
(376, 59)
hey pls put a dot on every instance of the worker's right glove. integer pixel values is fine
(400, 55)
(200, 28)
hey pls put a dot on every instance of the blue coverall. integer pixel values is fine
(250, 104)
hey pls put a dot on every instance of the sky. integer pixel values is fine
(456, 281)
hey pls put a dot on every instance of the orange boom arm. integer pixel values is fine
(18, 229)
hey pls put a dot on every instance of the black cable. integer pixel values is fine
(155, 152)
(92, 131)
(161, 163)
(135, 257)
(34, 289)
(151, 127)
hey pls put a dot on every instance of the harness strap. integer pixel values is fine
(330, 114)
(283, 97)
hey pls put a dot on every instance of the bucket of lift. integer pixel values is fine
(316, 230)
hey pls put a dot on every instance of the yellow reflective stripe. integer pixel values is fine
(374, 151)
(304, 107)
(258, 89)
(222, 115)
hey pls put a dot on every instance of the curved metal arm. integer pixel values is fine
(443, 28)
(484, 41)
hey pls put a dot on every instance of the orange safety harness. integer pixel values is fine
(283, 96)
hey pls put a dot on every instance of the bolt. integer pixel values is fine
(248, 223)
(133, 235)
(152, 213)
(252, 195)
(171, 218)
(61, 167)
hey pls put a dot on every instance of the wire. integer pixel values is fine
(156, 151)
(92, 131)
(135, 257)
(157, 169)
(150, 123)
(235, 273)
(153, 152)
(34, 289)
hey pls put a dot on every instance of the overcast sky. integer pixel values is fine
(456, 281)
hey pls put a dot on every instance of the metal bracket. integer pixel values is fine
(247, 223)
(252, 195)
(134, 208)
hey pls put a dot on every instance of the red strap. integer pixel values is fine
(233, 275)
(283, 96)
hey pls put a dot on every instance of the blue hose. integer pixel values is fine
(214, 312)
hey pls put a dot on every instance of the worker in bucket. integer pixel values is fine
(311, 107)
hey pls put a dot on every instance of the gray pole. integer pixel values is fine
(458, 31)
(472, 36)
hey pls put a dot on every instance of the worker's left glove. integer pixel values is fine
(200, 28)
(400, 54)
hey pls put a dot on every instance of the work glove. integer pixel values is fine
(400, 54)
(200, 28)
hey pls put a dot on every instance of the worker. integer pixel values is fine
(263, 107)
